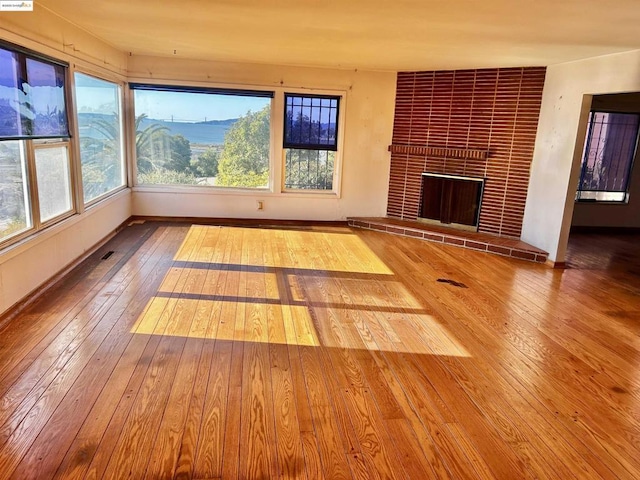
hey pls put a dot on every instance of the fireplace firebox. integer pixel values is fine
(451, 200)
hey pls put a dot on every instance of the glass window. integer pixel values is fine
(311, 122)
(310, 141)
(32, 101)
(309, 169)
(11, 96)
(15, 210)
(54, 185)
(45, 93)
(34, 143)
(100, 131)
(196, 136)
(608, 157)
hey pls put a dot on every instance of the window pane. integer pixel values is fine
(309, 169)
(198, 138)
(14, 197)
(608, 155)
(54, 189)
(100, 130)
(45, 90)
(310, 122)
(12, 99)
(32, 102)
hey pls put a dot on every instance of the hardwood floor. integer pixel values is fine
(203, 352)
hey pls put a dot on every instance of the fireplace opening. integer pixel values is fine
(451, 200)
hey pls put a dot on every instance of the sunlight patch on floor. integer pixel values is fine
(304, 256)
(290, 286)
(179, 317)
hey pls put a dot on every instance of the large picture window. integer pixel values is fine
(310, 141)
(610, 147)
(100, 133)
(199, 136)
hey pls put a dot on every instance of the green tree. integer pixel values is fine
(101, 159)
(206, 164)
(162, 176)
(180, 151)
(309, 169)
(244, 161)
(147, 140)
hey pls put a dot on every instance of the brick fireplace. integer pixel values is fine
(473, 123)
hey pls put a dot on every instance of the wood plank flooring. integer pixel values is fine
(207, 352)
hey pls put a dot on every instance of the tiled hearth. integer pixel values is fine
(510, 247)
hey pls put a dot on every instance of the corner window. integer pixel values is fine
(35, 168)
(100, 136)
(202, 136)
(610, 147)
(310, 141)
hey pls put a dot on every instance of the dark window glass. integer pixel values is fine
(608, 156)
(11, 96)
(311, 122)
(32, 101)
(46, 91)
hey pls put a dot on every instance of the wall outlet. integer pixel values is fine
(260, 204)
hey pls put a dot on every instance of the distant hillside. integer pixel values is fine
(209, 132)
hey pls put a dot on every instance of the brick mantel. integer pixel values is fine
(442, 152)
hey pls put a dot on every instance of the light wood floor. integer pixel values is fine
(224, 352)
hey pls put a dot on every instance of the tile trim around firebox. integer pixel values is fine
(505, 246)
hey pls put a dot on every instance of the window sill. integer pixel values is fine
(602, 202)
(310, 193)
(38, 236)
(247, 192)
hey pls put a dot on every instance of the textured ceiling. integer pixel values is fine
(365, 34)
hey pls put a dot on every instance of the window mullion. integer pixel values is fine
(75, 161)
(33, 184)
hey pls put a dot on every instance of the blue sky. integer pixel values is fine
(194, 107)
(98, 96)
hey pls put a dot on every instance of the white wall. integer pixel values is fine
(556, 161)
(32, 262)
(29, 264)
(368, 127)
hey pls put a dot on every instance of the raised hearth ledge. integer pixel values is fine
(509, 247)
(442, 152)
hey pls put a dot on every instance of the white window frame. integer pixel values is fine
(177, 188)
(338, 160)
(32, 147)
(77, 166)
(276, 168)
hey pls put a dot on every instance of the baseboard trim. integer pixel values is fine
(246, 222)
(559, 265)
(606, 230)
